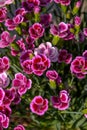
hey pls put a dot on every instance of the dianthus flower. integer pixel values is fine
(36, 30)
(39, 64)
(79, 67)
(62, 101)
(21, 83)
(39, 105)
(19, 127)
(63, 2)
(48, 50)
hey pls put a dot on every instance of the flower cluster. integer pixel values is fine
(43, 64)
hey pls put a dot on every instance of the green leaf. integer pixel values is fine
(55, 40)
(84, 111)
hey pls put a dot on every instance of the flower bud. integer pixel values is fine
(76, 7)
(52, 84)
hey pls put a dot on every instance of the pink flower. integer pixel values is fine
(39, 64)
(2, 95)
(85, 115)
(37, 9)
(14, 52)
(4, 80)
(10, 95)
(52, 74)
(78, 4)
(62, 101)
(6, 110)
(21, 11)
(6, 39)
(63, 2)
(21, 83)
(5, 2)
(77, 21)
(48, 50)
(39, 105)
(62, 31)
(4, 120)
(36, 31)
(9, 23)
(3, 14)
(19, 127)
(85, 31)
(21, 44)
(4, 64)
(27, 66)
(79, 67)
(64, 56)
(18, 19)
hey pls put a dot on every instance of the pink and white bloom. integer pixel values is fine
(62, 31)
(27, 66)
(79, 67)
(6, 39)
(39, 64)
(4, 64)
(63, 2)
(19, 127)
(3, 14)
(62, 101)
(4, 121)
(52, 74)
(39, 105)
(9, 23)
(18, 19)
(5, 2)
(21, 11)
(36, 30)
(21, 83)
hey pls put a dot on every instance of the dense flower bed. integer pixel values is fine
(43, 64)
